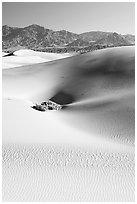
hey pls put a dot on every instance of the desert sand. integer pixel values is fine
(26, 57)
(83, 152)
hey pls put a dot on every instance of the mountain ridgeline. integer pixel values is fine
(38, 38)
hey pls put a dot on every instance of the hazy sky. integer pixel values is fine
(76, 17)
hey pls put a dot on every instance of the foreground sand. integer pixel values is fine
(67, 173)
(80, 152)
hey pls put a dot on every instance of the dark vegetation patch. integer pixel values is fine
(45, 106)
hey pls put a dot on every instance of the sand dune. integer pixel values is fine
(26, 57)
(97, 87)
(96, 91)
(4, 54)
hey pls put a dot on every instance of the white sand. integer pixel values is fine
(57, 173)
(4, 54)
(82, 153)
(26, 57)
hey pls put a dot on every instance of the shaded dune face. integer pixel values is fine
(80, 77)
(63, 98)
(95, 89)
(99, 76)
(104, 96)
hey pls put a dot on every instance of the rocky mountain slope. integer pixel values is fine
(39, 38)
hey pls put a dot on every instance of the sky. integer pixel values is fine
(76, 17)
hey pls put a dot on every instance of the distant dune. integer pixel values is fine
(82, 150)
(26, 57)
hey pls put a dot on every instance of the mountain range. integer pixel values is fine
(36, 37)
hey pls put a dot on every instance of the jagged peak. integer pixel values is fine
(34, 26)
(9, 27)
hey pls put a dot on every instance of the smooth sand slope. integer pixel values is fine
(26, 57)
(81, 151)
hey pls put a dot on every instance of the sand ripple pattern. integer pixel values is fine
(64, 173)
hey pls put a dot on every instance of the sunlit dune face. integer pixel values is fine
(27, 57)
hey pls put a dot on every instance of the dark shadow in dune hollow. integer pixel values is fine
(62, 98)
(9, 54)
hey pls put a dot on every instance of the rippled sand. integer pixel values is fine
(66, 173)
(85, 151)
